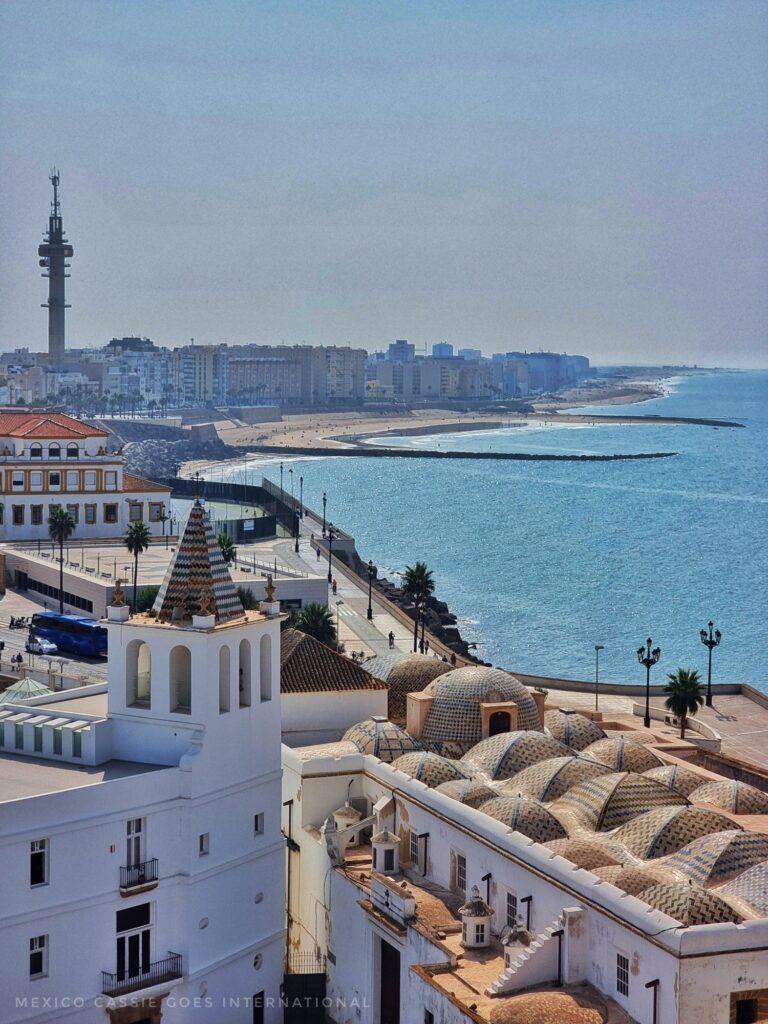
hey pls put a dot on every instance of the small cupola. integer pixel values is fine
(344, 818)
(386, 852)
(475, 917)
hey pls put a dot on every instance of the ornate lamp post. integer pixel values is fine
(301, 497)
(296, 530)
(331, 536)
(648, 657)
(598, 648)
(711, 641)
(325, 499)
(290, 474)
(281, 476)
(371, 570)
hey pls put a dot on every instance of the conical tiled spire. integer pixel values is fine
(198, 581)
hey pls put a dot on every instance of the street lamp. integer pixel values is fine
(290, 474)
(648, 657)
(325, 499)
(296, 530)
(301, 497)
(338, 604)
(598, 648)
(331, 535)
(281, 478)
(711, 641)
(371, 570)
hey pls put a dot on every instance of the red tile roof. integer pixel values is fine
(308, 666)
(138, 483)
(48, 425)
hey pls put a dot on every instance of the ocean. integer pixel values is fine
(541, 561)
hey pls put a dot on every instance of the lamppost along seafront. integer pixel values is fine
(301, 497)
(325, 499)
(296, 530)
(711, 641)
(281, 477)
(331, 535)
(648, 657)
(370, 586)
(598, 648)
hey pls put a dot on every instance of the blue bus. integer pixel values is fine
(73, 634)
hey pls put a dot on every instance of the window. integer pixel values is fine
(155, 511)
(135, 511)
(57, 745)
(622, 974)
(110, 513)
(511, 910)
(54, 481)
(180, 680)
(134, 833)
(389, 860)
(224, 680)
(413, 848)
(73, 480)
(36, 451)
(18, 740)
(37, 732)
(36, 480)
(90, 515)
(73, 451)
(18, 515)
(461, 872)
(90, 480)
(244, 674)
(38, 956)
(479, 933)
(38, 862)
(17, 481)
(429, 1017)
(258, 824)
(74, 511)
(110, 480)
(265, 667)
(2, 514)
(54, 451)
(36, 513)
(77, 744)
(204, 844)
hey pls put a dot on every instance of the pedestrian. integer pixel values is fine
(317, 552)
(311, 538)
(453, 659)
(333, 586)
(426, 646)
(391, 640)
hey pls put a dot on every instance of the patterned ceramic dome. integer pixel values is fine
(622, 755)
(574, 730)
(429, 768)
(666, 829)
(411, 675)
(524, 815)
(676, 776)
(733, 796)
(612, 800)
(749, 889)
(549, 779)
(453, 724)
(689, 904)
(584, 853)
(380, 665)
(382, 738)
(507, 753)
(712, 860)
(634, 880)
(471, 792)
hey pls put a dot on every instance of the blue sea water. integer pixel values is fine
(541, 561)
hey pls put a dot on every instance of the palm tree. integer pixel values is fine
(227, 545)
(61, 526)
(247, 600)
(316, 620)
(418, 584)
(136, 540)
(684, 695)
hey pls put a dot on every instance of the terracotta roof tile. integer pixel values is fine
(308, 666)
(46, 425)
(139, 483)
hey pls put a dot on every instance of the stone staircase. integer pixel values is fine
(532, 965)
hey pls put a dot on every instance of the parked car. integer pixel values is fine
(37, 645)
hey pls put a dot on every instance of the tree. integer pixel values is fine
(227, 545)
(685, 695)
(419, 585)
(247, 600)
(136, 540)
(316, 620)
(147, 597)
(61, 526)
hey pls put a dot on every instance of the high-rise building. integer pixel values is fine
(54, 253)
(401, 352)
(442, 350)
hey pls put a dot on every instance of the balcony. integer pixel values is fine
(139, 876)
(160, 972)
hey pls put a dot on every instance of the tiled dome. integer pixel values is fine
(471, 792)
(380, 665)
(634, 880)
(549, 779)
(622, 755)
(733, 796)
(689, 904)
(382, 738)
(411, 675)
(666, 829)
(429, 768)
(612, 800)
(584, 853)
(524, 815)
(750, 889)
(453, 724)
(676, 776)
(507, 753)
(714, 859)
(574, 730)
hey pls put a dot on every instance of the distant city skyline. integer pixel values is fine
(540, 176)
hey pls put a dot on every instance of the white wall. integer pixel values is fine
(324, 717)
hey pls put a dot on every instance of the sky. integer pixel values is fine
(577, 176)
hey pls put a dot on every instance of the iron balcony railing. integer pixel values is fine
(139, 874)
(120, 983)
(305, 963)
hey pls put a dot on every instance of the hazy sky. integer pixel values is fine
(582, 176)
